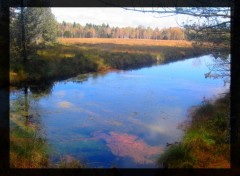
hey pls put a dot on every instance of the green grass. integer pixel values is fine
(27, 147)
(206, 142)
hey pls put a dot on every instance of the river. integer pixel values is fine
(120, 118)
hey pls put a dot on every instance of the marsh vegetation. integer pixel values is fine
(70, 57)
(205, 143)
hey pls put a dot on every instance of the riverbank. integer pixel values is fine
(206, 140)
(28, 147)
(70, 57)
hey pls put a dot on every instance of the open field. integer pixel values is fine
(130, 42)
(143, 46)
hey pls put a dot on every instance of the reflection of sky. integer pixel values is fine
(196, 63)
(147, 103)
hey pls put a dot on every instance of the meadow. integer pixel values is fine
(71, 56)
(119, 41)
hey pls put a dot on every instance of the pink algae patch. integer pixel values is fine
(125, 145)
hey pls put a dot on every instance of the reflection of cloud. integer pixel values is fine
(133, 76)
(60, 93)
(116, 123)
(196, 62)
(219, 90)
(125, 145)
(98, 105)
(72, 107)
(80, 95)
(158, 128)
(65, 104)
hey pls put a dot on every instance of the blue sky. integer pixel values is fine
(115, 17)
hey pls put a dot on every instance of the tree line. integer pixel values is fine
(76, 30)
(35, 27)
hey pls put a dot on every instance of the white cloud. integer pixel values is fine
(113, 17)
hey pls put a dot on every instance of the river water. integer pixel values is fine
(120, 118)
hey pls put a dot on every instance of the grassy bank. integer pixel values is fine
(28, 149)
(206, 141)
(70, 57)
(28, 145)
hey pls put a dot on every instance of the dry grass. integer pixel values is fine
(206, 159)
(140, 46)
(145, 42)
(72, 56)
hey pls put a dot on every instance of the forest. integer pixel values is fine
(76, 30)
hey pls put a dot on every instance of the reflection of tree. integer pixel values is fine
(100, 74)
(84, 77)
(219, 69)
(26, 105)
(27, 143)
(41, 89)
(24, 101)
(79, 78)
(208, 27)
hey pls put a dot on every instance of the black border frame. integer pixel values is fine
(234, 88)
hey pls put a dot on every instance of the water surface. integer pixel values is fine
(122, 118)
